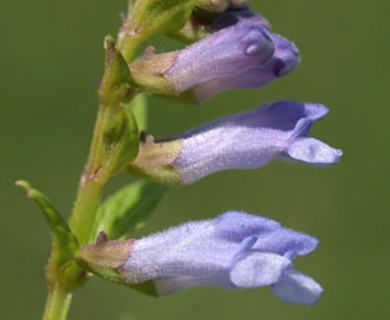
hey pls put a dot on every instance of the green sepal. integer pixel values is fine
(139, 106)
(64, 242)
(161, 174)
(120, 141)
(116, 79)
(155, 161)
(128, 208)
(148, 74)
(107, 258)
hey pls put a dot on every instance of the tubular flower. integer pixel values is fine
(243, 55)
(245, 141)
(240, 53)
(222, 55)
(233, 251)
(251, 140)
(285, 60)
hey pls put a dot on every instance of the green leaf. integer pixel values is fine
(139, 106)
(128, 208)
(64, 242)
(116, 79)
(120, 141)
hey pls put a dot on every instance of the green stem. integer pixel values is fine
(91, 184)
(57, 303)
(64, 279)
(87, 202)
(63, 282)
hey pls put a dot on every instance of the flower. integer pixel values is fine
(251, 140)
(244, 141)
(224, 54)
(233, 251)
(240, 52)
(285, 60)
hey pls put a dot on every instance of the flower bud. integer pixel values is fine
(223, 55)
(219, 57)
(285, 60)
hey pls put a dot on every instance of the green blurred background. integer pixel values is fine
(51, 52)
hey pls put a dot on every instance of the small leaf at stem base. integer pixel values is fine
(64, 242)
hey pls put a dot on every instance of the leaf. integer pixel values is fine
(116, 79)
(64, 242)
(139, 106)
(116, 68)
(120, 141)
(128, 208)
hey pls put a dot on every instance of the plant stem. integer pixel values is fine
(64, 279)
(57, 303)
(86, 205)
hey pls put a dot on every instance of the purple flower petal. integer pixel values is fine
(286, 243)
(297, 288)
(285, 59)
(258, 269)
(313, 151)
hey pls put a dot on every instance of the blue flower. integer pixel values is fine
(251, 140)
(222, 55)
(240, 52)
(284, 60)
(233, 251)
